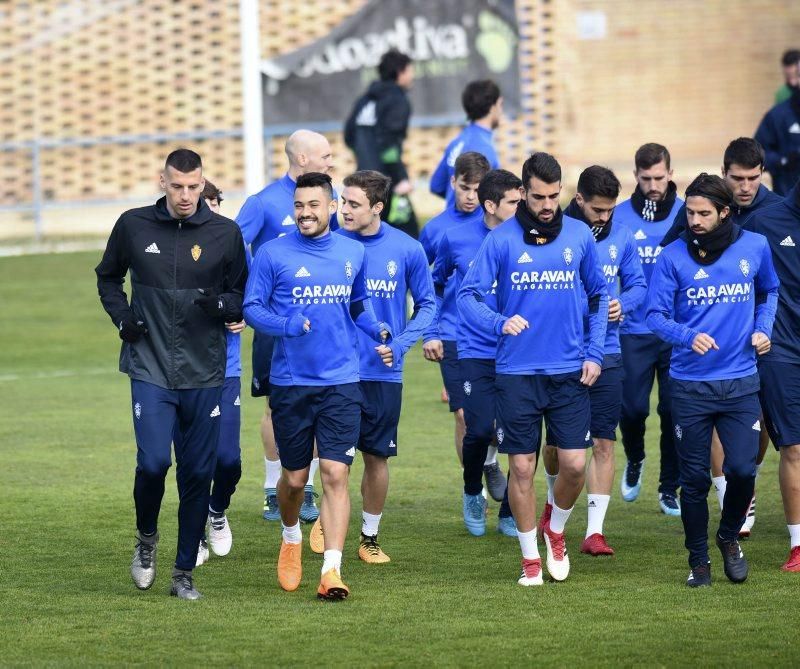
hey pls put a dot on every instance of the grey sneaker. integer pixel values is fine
(495, 481)
(143, 565)
(182, 586)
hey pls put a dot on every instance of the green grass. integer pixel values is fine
(447, 599)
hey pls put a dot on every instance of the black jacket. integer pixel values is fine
(376, 128)
(169, 260)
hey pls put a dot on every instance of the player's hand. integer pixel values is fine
(297, 326)
(210, 302)
(235, 328)
(384, 332)
(614, 311)
(403, 187)
(703, 343)
(515, 325)
(589, 373)
(132, 331)
(433, 350)
(761, 343)
(387, 357)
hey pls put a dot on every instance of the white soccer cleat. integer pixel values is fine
(557, 558)
(219, 534)
(202, 553)
(531, 572)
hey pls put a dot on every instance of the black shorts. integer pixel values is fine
(380, 415)
(451, 376)
(262, 364)
(329, 414)
(780, 401)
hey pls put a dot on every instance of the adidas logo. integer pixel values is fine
(639, 234)
(592, 504)
(302, 273)
(795, 128)
(351, 452)
(237, 402)
(392, 444)
(788, 241)
(215, 412)
(525, 258)
(701, 274)
(589, 435)
(757, 426)
(153, 248)
(287, 221)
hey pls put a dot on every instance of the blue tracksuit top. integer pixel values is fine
(457, 250)
(472, 138)
(648, 236)
(396, 264)
(619, 260)
(294, 278)
(780, 224)
(729, 300)
(545, 285)
(779, 134)
(269, 214)
(445, 324)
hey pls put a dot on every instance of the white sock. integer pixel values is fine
(312, 472)
(794, 535)
(273, 473)
(332, 560)
(528, 544)
(370, 523)
(758, 468)
(598, 505)
(292, 535)
(491, 456)
(551, 483)
(720, 485)
(559, 518)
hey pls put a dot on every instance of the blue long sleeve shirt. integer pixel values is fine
(472, 138)
(446, 322)
(457, 250)
(294, 278)
(545, 285)
(396, 264)
(648, 236)
(729, 300)
(780, 224)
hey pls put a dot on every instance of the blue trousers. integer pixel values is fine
(158, 414)
(229, 453)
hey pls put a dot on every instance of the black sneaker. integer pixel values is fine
(733, 560)
(182, 585)
(495, 481)
(700, 576)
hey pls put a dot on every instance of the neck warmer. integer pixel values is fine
(654, 211)
(599, 231)
(706, 249)
(534, 231)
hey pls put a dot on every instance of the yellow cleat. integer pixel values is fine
(290, 566)
(332, 587)
(370, 552)
(316, 540)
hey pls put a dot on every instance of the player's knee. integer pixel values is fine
(521, 469)
(791, 455)
(572, 468)
(695, 484)
(603, 450)
(229, 466)
(459, 416)
(153, 468)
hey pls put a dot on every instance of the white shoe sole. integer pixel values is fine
(538, 580)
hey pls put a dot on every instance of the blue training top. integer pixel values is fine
(473, 137)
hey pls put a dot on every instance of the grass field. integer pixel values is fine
(447, 599)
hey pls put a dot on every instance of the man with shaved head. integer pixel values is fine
(265, 216)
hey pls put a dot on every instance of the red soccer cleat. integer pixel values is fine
(793, 563)
(531, 572)
(595, 544)
(544, 519)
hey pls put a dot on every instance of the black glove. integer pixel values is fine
(132, 331)
(211, 303)
(792, 159)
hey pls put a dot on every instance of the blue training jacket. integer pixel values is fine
(472, 138)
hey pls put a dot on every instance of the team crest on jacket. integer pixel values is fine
(391, 267)
(679, 432)
(567, 255)
(467, 388)
(348, 269)
(612, 252)
(137, 410)
(744, 266)
(196, 251)
(500, 435)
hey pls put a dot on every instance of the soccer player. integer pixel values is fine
(188, 271)
(779, 134)
(499, 193)
(396, 265)
(780, 368)
(439, 340)
(649, 214)
(713, 296)
(265, 216)
(598, 190)
(543, 262)
(484, 108)
(308, 289)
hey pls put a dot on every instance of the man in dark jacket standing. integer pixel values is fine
(188, 271)
(376, 129)
(779, 134)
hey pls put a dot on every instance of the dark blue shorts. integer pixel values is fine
(780, 401)
(329, 414)
(380, 415)
(451, 375)
(479, 396)
(522, 402)
(262, 364)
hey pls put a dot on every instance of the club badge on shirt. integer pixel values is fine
(196, 251)
(348, 269)
(391, 267)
